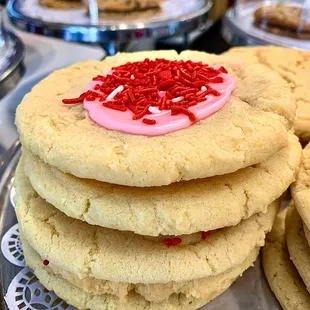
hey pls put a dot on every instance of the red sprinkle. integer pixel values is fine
(205, 234)
(141, 114)
(185, 81)
(148, 90)
(189, 67)
(199, 84)
(168, 95)
(190, 114)
(223, 70)
(165, 75)
(46, 262)
(149, 121)
(185, 75)
(75, 100)
(217, 79)
(166, 84)
(143, 80)
(114, 106)
(209, 92)
(172, 241)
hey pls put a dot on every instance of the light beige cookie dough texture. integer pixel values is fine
(301, 188)
(85, 300)
(249, 129)
(63, 5)
(177, 209)
(293, 65)
(307, 233)
(282, 276)
(128, 5)
(125, 257)
(298, 246)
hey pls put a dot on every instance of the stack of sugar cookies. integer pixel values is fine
(287, 253)
(293, 65)
(149, 180)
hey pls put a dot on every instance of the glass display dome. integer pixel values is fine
(278, 22)
(285, 18)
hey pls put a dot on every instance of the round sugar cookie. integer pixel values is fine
(62, 5)
(293, 65)
(283, 31)
(125, 257)
(83, 300)
(250, 128)
(290, 17)
(301, 188)
(297, 245)
(282, 276)
(200, 289)
(180, 208)
(127, 5)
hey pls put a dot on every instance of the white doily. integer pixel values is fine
(11, 247)
(26, 293)
(12, 194)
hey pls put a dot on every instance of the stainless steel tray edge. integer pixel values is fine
(8, 162)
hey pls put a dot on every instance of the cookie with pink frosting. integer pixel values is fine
(154, 118)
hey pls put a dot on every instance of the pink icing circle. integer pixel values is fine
(165, 122)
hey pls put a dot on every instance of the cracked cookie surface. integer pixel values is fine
(293, 65)
(282, 276)
(92, 251)
(195, 289)
(297, 245)
(84, 300)
(250, 128)
(177, 209)
(301, 188)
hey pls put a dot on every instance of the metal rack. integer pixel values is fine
(111, 30)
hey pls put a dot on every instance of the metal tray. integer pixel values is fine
(239, 29)
(175, 17)
(8, 163)
(12, 53)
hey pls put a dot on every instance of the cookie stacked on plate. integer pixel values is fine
(293, 65)
(285, 20)
(167, 210)
(287, 253)
(118, 6)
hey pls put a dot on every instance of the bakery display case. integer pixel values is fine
(280, 22)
